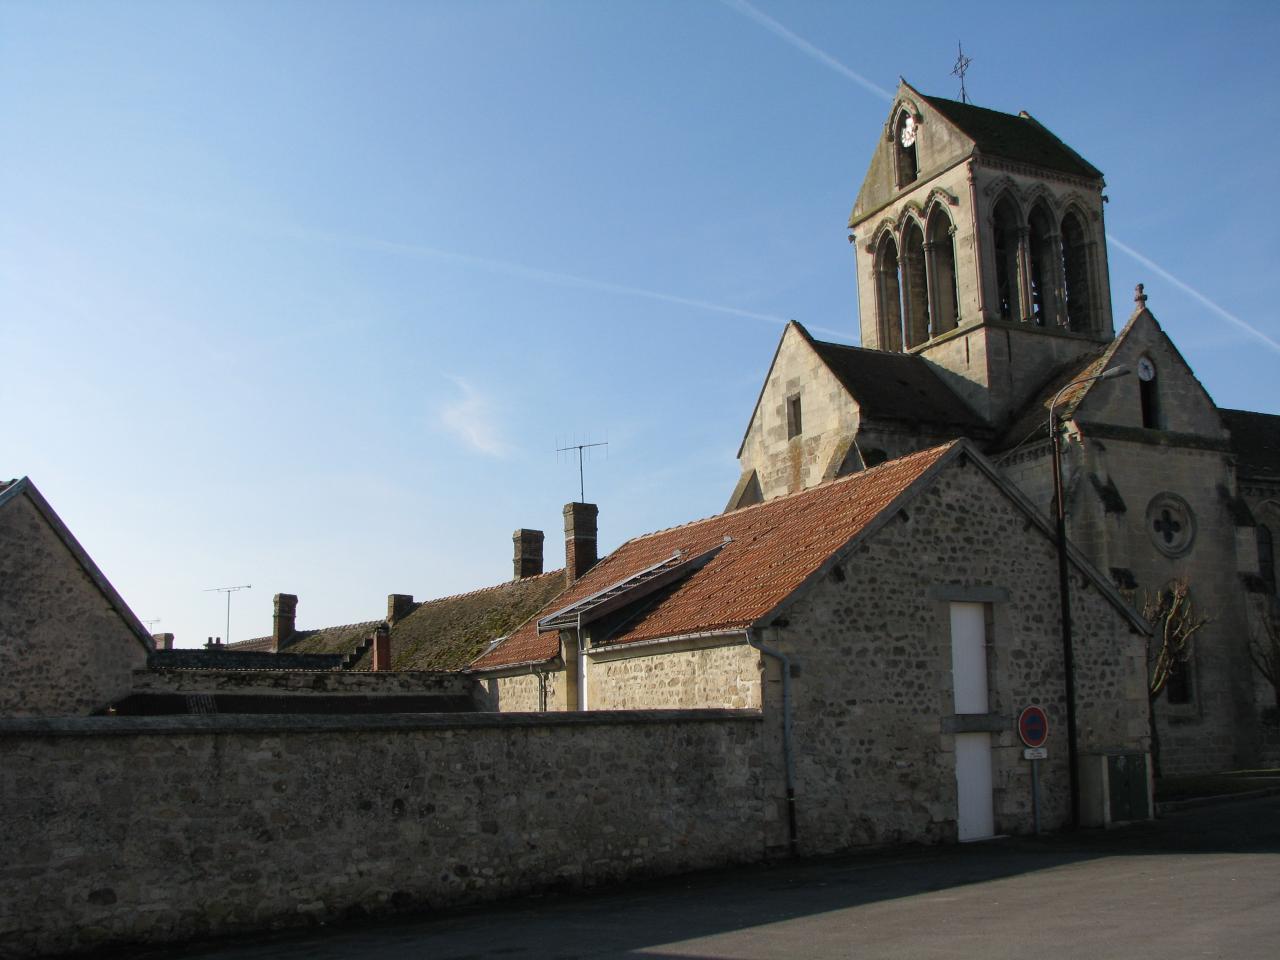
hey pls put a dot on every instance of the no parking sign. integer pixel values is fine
(1033, 726)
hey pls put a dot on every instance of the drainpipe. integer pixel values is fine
(582, 665)
(787, 759)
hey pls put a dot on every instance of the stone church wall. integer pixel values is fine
(64, 650)
(874, 719)
(125, 830)
(782, 465)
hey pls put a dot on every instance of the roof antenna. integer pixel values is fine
(962, 65)
(582, 495)
(229, 591)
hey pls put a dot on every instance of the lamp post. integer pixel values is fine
(1064, 588)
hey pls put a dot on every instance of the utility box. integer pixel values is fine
(1114, 788)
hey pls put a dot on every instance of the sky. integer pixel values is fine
(305, 295)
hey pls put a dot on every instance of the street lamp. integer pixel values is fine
(1064, 588)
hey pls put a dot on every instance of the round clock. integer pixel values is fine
(1146, 369)
(909, 131)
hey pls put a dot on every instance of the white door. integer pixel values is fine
(975, 816)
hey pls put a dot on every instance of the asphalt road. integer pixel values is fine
(1200, 883)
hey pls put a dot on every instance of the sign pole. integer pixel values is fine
(1035, 795)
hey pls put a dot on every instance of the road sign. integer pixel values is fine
(1033, 726)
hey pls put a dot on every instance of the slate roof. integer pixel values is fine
(1013, 137)
(773, 548)
(1255, 439)
(444, 634)
(1033, 421)
(447, 634)
(895, 386)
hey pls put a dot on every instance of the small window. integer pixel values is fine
(1149, 393)
(794, 426)
(1266, 558)
(904, 136)
(1178, 686)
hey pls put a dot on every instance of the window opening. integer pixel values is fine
(1075, 272)
(1042, 244)
(889, 295)
(1148, 393)
(904, 145)
(916, 284)
(1178, 687)
(1005, 237)
(794, 426)
(1266, 557)
(941, 251)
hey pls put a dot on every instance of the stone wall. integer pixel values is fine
(290, 682)
(64, 650)
(669, 677)
(872, 685)
(524, 692)
(158, 829)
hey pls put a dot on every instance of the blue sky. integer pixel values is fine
(305, 295)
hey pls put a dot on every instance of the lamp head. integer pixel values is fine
(1114, 372)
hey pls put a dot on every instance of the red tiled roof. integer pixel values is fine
(774, 547)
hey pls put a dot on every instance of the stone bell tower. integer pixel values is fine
(980, 247)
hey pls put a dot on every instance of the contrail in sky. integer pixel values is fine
(804, 46)
(747, 10)
(1193, 292)
(533, 273)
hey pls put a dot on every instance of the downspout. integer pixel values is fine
(787, 759)
(582, 665)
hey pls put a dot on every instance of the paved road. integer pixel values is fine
(1201, 883)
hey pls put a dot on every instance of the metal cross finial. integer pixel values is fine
(962, 65)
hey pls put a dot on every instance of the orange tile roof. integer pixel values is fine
(775, 546)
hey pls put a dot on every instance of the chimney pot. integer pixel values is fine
(399, 606)
(382, 647)
(527, 561)
(283, 623)
(579, 539)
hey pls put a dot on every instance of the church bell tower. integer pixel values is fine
(980, 247)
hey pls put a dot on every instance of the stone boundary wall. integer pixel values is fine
(300, 682)
(122, 830)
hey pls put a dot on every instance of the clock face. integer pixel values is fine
(1146, 369)
(909, 131)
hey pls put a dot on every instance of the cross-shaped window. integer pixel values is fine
(1166, 526)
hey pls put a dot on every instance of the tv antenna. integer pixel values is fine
(151, 623)
(959, 70)
(582, 495)
(229, 591)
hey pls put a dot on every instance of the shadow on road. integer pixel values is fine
(653, 919)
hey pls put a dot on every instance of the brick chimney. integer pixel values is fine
(282, 624)
(579, 539)
(163, 641)
(528, 553)
(399, 606)
(382, 648)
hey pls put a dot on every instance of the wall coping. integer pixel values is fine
(21, 727)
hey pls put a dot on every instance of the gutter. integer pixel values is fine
(787, 758)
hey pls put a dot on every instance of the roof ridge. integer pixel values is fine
(823, 485)
(337, 626)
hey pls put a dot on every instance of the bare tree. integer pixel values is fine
(1174, 622)
(1264, 650)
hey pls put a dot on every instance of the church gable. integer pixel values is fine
(1161, 392)
(800, 418)
(916, 143)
